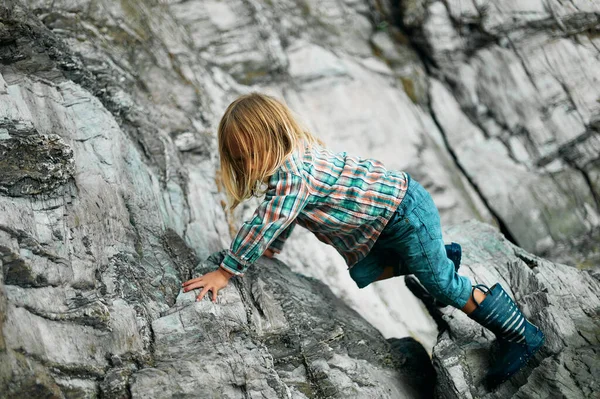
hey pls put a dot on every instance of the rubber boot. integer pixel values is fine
(517, 339)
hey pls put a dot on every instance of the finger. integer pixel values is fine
(202, 293)
(192, 281)
(215, 292)
(193, 286)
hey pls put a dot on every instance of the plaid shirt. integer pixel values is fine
(346, 201)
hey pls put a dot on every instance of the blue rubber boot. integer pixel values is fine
(517, 339)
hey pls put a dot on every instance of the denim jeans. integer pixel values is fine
(412, 243)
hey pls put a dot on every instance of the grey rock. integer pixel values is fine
(523, 81)
(110, 196)
(116, 382)
(274, 334)
(562, 301)
(92, 275)
(32, 164)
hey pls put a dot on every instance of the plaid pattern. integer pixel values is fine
(346, 201)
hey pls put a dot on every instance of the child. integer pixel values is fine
(377, 219)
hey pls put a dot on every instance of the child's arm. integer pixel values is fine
(277, 244)
(282, 204)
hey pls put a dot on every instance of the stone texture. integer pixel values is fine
(516, 98)
(276, 334)
(110, 195)
(32, 164)
(562, 301)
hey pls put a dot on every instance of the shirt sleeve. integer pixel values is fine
(282, 203)
(278, 242)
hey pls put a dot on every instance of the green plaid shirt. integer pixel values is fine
(346, 201)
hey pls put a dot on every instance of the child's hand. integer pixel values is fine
(212, 281)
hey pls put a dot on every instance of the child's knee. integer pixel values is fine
(360, 280)
(436, 290)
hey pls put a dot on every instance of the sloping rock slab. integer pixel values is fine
(277, 334)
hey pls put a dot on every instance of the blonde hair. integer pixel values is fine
(265, 132)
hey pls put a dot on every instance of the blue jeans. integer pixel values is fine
(412, 243)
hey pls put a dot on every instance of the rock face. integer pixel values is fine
(562, 301)
(516, 97)
(275, 335)
(110, 196)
